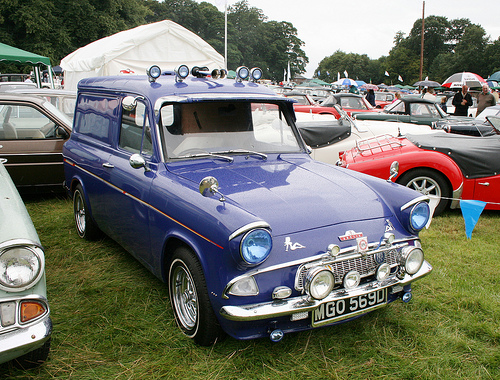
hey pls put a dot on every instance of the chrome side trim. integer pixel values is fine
(279, 308)
(422, 198)
(457, 194)
(248, 227)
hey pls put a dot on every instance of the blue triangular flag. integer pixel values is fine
(471, 210)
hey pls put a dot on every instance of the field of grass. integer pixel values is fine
(112, 318)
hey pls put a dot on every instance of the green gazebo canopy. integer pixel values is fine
(12, 54)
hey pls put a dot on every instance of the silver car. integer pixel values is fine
(25, 324)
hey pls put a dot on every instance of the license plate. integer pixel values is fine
(348, 307)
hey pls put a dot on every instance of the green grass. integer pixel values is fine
(112, 318)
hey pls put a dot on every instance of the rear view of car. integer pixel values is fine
(25, 324)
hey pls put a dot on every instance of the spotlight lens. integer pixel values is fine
(352, 280)
(319, 282)
(182, 71)
(154, 71)
(242, 72)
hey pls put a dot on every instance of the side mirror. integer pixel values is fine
(209, 186)
(137, 162)
(129, 103)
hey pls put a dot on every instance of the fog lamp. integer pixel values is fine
(153, 73)
(383, 271)
(412, 259)
(256, 74)
(319, 282)
(181, 73)
(242, 73)
(352, 280)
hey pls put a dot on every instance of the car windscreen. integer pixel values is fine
(193, 129)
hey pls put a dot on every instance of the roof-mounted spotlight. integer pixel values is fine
(181, 72)
(242, 73)
(223, 73)
(256, 74)
(153, 73)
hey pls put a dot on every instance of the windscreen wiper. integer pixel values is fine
(209, 154)
(243, 151)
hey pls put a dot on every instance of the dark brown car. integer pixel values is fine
(32, 134)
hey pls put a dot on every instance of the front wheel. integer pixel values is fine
(189, 298)
(428, 182)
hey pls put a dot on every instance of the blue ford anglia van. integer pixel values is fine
(208, 183)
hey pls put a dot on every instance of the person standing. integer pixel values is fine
(485, 99)
(370, 97)
(462, 101)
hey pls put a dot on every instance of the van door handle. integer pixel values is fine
(108, 165)
(484, 183)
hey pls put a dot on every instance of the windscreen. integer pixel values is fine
(193, 129)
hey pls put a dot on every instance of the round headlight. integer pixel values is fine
(420, 215)
(256, 246)
(413, 258)
(19, 267)
(319, 282)
(352, 280)
(242, 73)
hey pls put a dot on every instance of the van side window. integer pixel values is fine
(95, 115)
(135, 131)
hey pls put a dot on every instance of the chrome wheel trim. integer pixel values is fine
(185, 298)
(425, 185)
(79, 209)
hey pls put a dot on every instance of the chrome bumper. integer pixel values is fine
(301, 304)
(18, 342)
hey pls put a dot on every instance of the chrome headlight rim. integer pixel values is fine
(245, 255)
(408, 256)
(312, 282)
(36, 253)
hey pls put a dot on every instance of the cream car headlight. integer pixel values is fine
(20, 267)
(319, 282)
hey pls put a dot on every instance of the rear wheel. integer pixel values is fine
(429, 182)
(189, 298)
(85, 226)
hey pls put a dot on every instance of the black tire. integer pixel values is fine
(428, 182)
(34, 358)
(85, 226)
(189, 298)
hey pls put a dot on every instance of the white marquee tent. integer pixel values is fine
(163, 43)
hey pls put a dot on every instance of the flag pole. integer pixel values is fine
(422, 42)
(225, 35)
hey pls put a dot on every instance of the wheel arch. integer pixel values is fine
(436, 162)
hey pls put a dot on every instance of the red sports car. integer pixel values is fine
(449, 166)
(306, 104)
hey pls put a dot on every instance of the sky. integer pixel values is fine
(363, 26)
